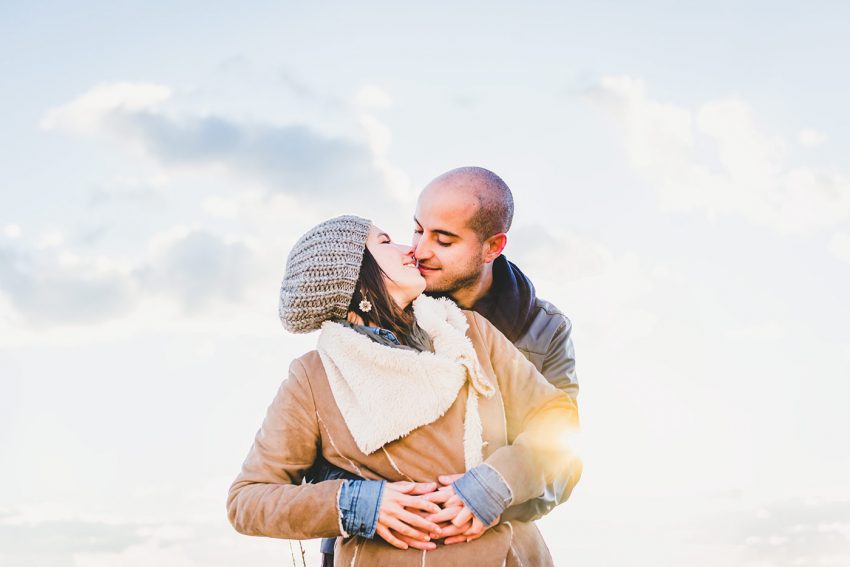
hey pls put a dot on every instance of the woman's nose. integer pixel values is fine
(404, 249)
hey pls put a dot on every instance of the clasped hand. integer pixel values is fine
(413, 514)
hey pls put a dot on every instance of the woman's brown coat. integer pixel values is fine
(525, 425)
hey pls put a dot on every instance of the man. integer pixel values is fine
(461, 222)
(462, 218)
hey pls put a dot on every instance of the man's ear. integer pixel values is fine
(494, 245)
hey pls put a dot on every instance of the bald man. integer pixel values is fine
(461, 222)
(462, 219)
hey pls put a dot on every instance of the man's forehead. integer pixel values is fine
(443, 219)
(438, 206)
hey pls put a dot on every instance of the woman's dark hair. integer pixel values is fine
(385, 312)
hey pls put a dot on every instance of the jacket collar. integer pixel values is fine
(509, 304)
(385, 393)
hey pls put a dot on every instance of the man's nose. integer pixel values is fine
(420, 249)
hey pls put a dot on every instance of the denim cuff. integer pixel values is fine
(484, 492)
(359, 503)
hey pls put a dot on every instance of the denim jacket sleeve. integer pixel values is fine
(359, 503)
(484, 492)
(323, 470)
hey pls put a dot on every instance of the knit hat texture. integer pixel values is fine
(321, 272)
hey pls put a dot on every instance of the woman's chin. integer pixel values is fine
(414, 293)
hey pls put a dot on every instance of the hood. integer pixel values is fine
(510, 302)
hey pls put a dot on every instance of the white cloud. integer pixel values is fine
(289, 177)
(812, 533)
(12, 231)
(167, 532)
(65, 537)
(602, 292)
(52, 283)
(379, 138)
(717, 160)
(766, 331)
(292, 158)
(198, 266)
(140, 555)
(371, 96)
(277, 218)
(811, 138)
(51, 239)
(88, 113)
(131, 190)
(839, 246)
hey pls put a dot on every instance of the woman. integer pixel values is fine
(400, 389)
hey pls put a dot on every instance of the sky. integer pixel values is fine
(682, 194)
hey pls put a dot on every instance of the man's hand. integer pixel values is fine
(458, 523)
(395, 520)
(448, 529)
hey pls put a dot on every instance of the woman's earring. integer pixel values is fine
(365, 305)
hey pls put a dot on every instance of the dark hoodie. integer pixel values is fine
(510, 303)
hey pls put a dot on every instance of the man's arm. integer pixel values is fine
(323, 470)
(320, 471)
(540, 420)
(559, 365)
(559, 368)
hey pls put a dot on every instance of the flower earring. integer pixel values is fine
(365, 305)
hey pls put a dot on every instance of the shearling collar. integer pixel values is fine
(385, 393)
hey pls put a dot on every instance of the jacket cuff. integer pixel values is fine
(359, 503)
(483, 490)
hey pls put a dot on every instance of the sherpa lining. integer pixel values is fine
(339, 512)
(385, 393)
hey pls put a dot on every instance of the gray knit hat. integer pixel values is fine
(321, 272)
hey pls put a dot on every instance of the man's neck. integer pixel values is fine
(468, 296)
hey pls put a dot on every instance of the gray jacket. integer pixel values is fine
(548, 345)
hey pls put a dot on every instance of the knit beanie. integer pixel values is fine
(321, 272)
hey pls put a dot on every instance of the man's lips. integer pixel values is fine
(423, 269)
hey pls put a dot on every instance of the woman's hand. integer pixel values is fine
(394, 519)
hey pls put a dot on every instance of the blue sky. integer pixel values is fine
(682, 193)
